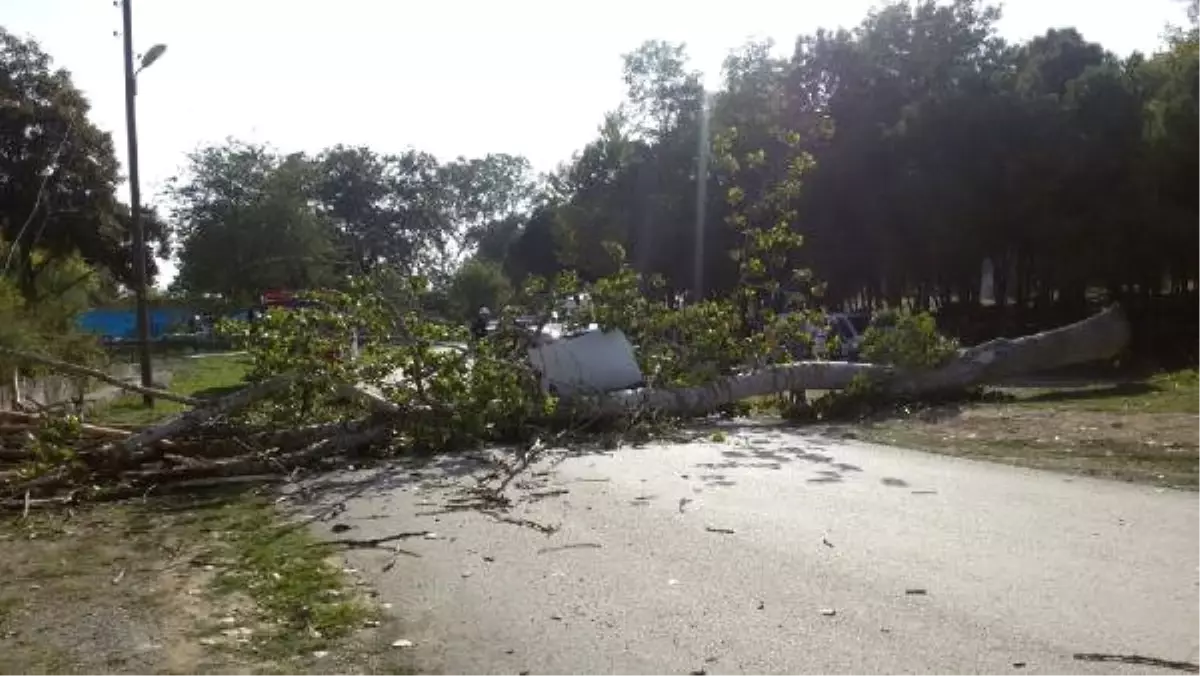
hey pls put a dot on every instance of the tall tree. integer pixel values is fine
(58, 173)
(248, 223)
(483, 200)
(388, 209)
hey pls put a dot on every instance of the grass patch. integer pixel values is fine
(203, 378)
(8, 606)
(1116, 459)
(60, 610)
(1139, 431)
(1175, 392)
(214, 584)
(292, 579)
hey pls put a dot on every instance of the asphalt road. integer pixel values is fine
(775, 552)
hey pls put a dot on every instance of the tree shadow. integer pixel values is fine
(1118, 390)
(718, 480)
(199, 499)
(384, 475)
(704, 430)
(826, 476)
(755, 456)
(217, 392)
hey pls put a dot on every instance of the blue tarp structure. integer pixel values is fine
(123, 323)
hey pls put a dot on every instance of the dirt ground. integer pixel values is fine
(219, 584)
(1144, 431)
(163, 589)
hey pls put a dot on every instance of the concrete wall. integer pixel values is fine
(50, 389)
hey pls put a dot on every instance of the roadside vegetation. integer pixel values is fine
(205, 583)
(203, 377)
(1171, 392)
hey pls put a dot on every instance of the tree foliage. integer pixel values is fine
(883, 166)
(905, 339)
(64, 235)
(247, 223)
(58, 175)
(250, 218)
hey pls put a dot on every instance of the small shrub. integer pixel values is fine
(907, 340)
(895, 338)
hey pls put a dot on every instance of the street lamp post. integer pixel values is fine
(135, 196)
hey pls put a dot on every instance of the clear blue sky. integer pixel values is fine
(451, 77)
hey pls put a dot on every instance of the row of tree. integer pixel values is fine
(58, 179)
(243, 218)
(910, 153)
(929, 148)
(64, 234)
(250, 219)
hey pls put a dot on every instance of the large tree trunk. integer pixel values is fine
(1099, 337)
(128, 449)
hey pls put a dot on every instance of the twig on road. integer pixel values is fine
(577, 545)
(517, 521)
(1139, 660)
(371, 543)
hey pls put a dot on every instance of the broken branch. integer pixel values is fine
(78, 370)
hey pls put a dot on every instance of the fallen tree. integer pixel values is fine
(1101, 336)
(444, 401)
(311, 399)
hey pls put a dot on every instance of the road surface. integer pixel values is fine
(770, 551)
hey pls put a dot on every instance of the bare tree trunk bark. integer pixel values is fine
(228, 404)
(1101, 336)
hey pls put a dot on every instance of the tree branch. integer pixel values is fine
(75, 369)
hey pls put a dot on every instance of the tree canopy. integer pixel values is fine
(58, 175)
(907, 154)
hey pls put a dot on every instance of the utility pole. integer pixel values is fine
(135, 206)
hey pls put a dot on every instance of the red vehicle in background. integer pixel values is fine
(278, 298)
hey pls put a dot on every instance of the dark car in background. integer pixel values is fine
(840, 338)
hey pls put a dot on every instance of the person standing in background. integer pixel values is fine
(479, 327)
